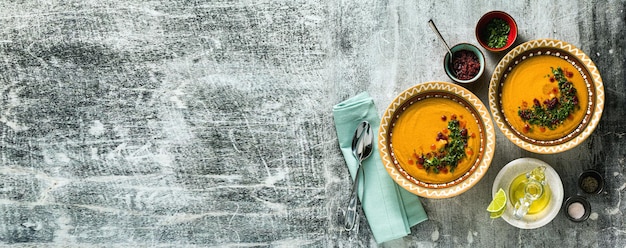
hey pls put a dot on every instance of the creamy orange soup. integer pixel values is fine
(416, 131)
(528, 81)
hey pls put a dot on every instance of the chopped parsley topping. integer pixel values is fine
(552, 112)
(497, 33)
(447, 157)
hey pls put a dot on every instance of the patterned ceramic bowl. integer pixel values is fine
(435, 104)
(533, 105)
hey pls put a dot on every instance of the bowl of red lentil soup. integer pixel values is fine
(468, 63)
(496, 31)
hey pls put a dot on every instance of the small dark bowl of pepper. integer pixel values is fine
(468, 63)
(591, 182)
(496, 31)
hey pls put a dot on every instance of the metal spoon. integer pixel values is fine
(361, 149)
(434, 28)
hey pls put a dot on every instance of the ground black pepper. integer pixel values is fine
(589, 184)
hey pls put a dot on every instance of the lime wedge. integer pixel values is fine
(497, 214)
(498, 204)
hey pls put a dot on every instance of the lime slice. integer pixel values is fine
(497, 214)
(498, 204)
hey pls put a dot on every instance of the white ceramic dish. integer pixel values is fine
(522, 165)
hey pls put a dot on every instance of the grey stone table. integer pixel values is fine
(208, 123)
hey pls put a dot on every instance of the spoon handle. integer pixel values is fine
(351, 210)
(434, 28)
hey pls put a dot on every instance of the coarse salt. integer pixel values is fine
(576, 210)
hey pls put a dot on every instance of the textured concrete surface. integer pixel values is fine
(208, 123)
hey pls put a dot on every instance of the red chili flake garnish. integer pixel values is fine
(444, 170)
(433, 147)
(569, 74)
(473, 135)
(462, 124)
(526, 128)
(461, 116)
(552, 79)
(542, 129)
(552, 103)
(444, 118)
(570, 117)
(420, 161)
(524, 104)
(440, 136)
(555, 90)
(453, 117)
(420, 166)
(445, 131)
(415, 155)
(411, 162)
(470, 152)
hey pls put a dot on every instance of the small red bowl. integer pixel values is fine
(481, 27)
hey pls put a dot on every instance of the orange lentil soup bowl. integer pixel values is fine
(524, 79)
(413, 123)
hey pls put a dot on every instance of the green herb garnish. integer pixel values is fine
(450, 154)
(497, 33)
(552, 112)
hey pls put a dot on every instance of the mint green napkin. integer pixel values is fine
(390, 210)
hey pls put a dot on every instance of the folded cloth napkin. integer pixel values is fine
(390, 210)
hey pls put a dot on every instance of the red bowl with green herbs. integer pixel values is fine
(496, 31)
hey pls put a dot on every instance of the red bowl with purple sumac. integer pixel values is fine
(467, 63)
